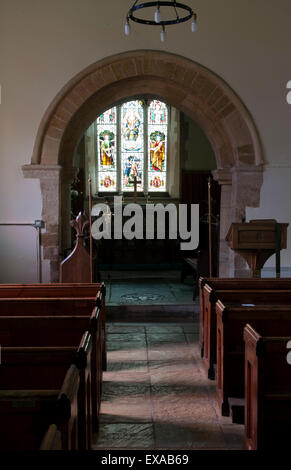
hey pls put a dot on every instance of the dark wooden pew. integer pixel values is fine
(52, 439)
(38, 306)
(52, 290)
(26, 414)
(43, 368)
(59, 331)
(267, 391)
(239, 296)
(42, 306)
(235, 283)
(231, 320)
(96, 291)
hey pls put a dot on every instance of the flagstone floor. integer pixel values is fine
(156, 394)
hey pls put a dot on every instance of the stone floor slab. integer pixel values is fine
(125, 435)
(139, 366)
(197, 436)
(156, 394)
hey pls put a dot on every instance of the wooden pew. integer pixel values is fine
(231, 320)
(96, 291)
(235, 283)
(53, 306)
(52, 439)
(59, 331)
(42, 368)
(267, 391)
(52, 290)
(239, 296)
(25, 415)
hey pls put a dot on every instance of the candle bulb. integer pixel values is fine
(157, 15)
(194, 24)
(127, 28)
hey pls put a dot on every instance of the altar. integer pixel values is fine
(138, 253)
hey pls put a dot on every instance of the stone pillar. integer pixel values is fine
(49, 176)
(246, 183)
(240, 188)
(225, 254)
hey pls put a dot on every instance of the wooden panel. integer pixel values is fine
(268, 390)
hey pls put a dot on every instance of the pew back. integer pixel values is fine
(52, 290)
(46, 306)
(231, 321)
(52, 439)
(26, 414)
(235, 283)
(267, 390)
(80, 298)
(234, 296)
(42, 368)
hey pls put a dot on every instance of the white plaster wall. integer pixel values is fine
(44, 44)
(276, 204)
(18, 254)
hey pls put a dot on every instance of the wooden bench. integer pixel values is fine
(59, 331)
(53, 306)
(51, 289)
(231, 321)
(26, 414)
(234, 283)
(52, 439)
(95, 291)
(39, 306)
(240, 296)
(267, 390)
(43, 368)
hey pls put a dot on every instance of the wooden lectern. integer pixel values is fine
(256, 241)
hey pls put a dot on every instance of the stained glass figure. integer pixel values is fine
(106, 145)
(132, 166)
(132, 145)
(157, 145)
(157, 151)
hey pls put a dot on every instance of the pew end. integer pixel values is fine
(267, 390)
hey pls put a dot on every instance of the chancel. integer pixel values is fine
(149, 337)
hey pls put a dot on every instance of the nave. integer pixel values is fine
(156, 394)
(150, 387)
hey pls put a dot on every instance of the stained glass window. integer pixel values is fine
(132, 146)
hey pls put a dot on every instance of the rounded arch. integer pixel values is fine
(187, 85)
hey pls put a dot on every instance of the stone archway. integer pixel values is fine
(188, 86)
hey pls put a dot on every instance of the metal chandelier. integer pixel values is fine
(186, 13)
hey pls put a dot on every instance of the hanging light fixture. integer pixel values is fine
(158, 19)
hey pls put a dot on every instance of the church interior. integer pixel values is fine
(116, 332)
